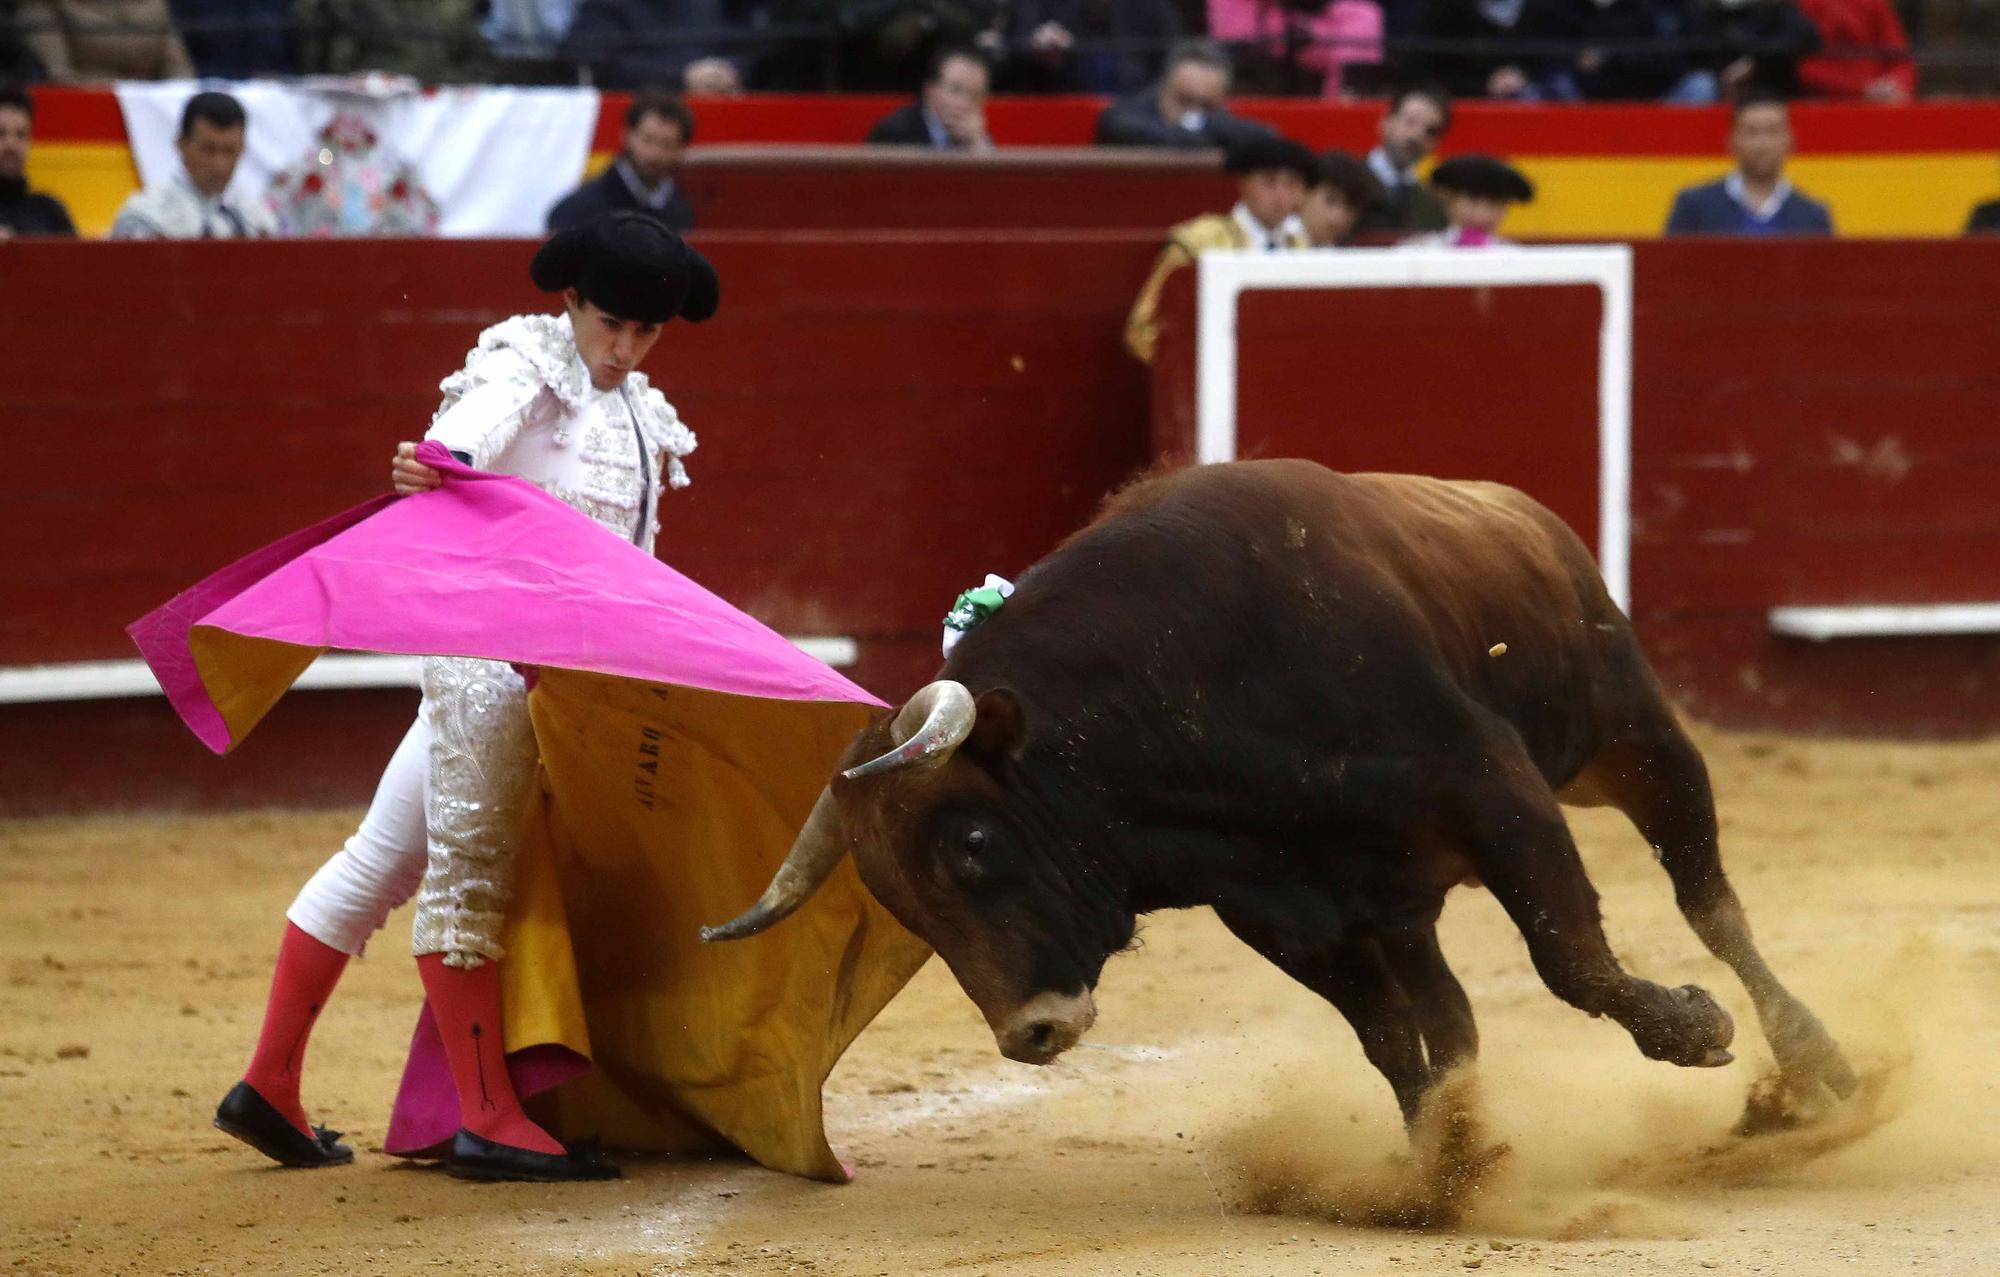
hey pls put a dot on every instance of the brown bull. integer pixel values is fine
(1282, 693)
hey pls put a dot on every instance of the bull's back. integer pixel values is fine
(1426, 577)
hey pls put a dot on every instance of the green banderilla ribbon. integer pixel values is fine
(972, 607)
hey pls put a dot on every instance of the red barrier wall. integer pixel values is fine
(865, 188)
(886, 417)
(1812, 424)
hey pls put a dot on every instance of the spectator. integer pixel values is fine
(1418, 116)
(658, 131)
(1184, 110)
(22, 211)
(885, 45)
(1759, 44)
(1324, 41)
(195, 203)
(434, 41)
(1342, 196)
(1477, 191)
(711, 77)
(104, 39)
(950, 113)
(524, 30)
(1273, 174)
(1755, 199)
(18, 63)
(1494, 69)
(629, 44)
(1086, 46)
(1867, 52)
(237, 39)
(1668, 71)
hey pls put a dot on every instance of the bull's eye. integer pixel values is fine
(975, 842)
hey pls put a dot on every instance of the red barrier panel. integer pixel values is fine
(857, 397)
(868, 188)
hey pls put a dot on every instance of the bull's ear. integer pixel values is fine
(1000, 732)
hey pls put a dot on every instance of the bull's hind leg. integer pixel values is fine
(1660, 782)
(1503, 814)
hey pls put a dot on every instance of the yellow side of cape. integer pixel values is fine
(666, 808)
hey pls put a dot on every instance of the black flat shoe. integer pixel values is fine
(250, 1118)
(476, 1157)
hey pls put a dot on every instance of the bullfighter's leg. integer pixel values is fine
(1352, 975)
(1508, 822)
(1443, 1012)
(1660, 782)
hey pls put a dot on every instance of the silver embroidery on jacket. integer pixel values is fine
(482, 777)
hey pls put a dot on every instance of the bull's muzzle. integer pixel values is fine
(1045, 1026)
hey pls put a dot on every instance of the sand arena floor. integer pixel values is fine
(136, 953)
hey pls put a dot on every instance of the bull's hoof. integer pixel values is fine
(1778, 1103)
(1685, 1026)
(1807, 1055)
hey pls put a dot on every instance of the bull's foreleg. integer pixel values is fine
(1662, 785)
(1443, 1012)
(1509, 823)
(1352, 975)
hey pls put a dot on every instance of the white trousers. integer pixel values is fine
(443, 825)
(382, 865)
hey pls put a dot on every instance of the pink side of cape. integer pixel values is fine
(489, 566)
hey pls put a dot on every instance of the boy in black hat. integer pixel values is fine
(1273, 176)
(1477, 191)
(1340, 201)
(556, 400)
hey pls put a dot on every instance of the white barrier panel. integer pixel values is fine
(104, 680)
(1225, 276)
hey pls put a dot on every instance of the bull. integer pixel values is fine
(1314, 703)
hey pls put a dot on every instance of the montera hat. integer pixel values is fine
(1483, 175)
(1268, 151)
(632, 266)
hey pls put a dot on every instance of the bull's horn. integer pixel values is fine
(935, 722)
(815, 852)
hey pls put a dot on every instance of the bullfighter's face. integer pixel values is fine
(964, 856)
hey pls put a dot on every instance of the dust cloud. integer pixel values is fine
(1559, 1149)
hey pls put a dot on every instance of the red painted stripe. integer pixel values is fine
(77, 115)
(91, 115)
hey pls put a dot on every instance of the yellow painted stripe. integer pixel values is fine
(1625, 197)
(1871, 195)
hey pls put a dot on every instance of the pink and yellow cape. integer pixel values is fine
(682, 745)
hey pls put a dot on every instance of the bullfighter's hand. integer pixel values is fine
(409, 475)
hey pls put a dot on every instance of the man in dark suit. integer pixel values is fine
(658, 128)
(949, 113)
(1755, 199)
(1184, 110)
(22, 211)
(1418, 116)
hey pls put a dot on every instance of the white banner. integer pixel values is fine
(494, 158)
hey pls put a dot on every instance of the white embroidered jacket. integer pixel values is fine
(524, 405)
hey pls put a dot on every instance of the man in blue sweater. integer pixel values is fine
(1755, 199)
